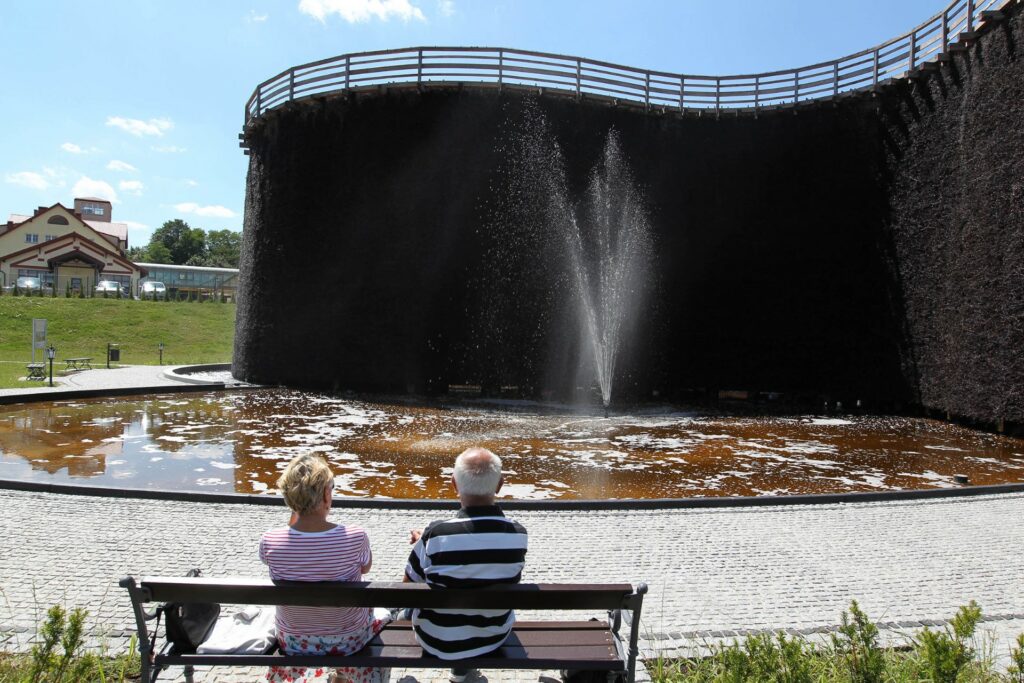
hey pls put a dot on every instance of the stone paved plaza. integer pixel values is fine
(713, 574)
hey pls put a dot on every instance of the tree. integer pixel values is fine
(156, 252)
(223, 248)
(180, 240)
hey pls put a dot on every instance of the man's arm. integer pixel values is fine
(414, 568)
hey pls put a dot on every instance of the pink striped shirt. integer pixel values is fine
(338, 554)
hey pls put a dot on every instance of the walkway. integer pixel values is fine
(713, 573)
(101, 378)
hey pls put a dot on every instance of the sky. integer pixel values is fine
(141, 101)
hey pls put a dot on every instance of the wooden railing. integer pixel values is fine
(501, 67)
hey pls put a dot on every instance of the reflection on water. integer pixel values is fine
(240, 442)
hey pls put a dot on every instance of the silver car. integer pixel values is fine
(153, 290)
(108, 288)
(29, 285)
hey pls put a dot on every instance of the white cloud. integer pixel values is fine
(138, 127)
(122, 166)
(191, 183)
(132, 225)
(72, 148)
(356, 11)
(134, 187)
(169, 149)
(87, 187)
(33, 181)
(215, 210)
(256, 18)
(446, 7)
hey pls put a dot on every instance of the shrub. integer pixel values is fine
(1016, 668)
(856, 647)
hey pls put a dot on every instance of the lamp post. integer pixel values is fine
(50, 353)
(161, 347)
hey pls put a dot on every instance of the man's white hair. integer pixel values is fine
(477, 472)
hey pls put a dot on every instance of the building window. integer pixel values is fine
(92, 210)
(47, 238)
(32, 237)
(57, 220)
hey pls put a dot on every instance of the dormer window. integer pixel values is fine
(57, 220)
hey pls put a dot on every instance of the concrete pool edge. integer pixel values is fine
(554, 505)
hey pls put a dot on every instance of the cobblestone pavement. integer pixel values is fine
(713, 574)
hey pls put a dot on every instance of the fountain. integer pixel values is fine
(608, 247)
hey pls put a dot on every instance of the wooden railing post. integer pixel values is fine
(796, 87)
(835, 78)
(945, 30)
(291, 84)
(682, 93)
(718, 94)
(348, 70)
(501, 67)
(419, 67)
(647, 90)
(259, 101)
(579, 77)
(913, 51)
(874, 70)
(970, 15)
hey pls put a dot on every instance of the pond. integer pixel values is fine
(240, 441)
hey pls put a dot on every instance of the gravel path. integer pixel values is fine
(101, 378)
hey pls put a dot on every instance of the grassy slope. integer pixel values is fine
(191, 332)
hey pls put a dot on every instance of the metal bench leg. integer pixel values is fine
(189, 671)
(634, 632)
(147, 673)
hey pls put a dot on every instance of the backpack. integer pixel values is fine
(188, 623)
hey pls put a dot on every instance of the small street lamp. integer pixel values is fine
(161, 347)
(50, 353)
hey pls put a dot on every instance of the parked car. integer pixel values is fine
(109, 288)
(30, 285)
(153, 290)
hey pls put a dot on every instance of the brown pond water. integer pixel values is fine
(240, 441)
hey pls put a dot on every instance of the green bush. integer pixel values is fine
(59, 655)
(852, 655)
(1016, 669)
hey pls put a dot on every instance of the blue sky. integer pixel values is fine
(142, 100)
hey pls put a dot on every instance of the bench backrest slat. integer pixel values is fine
(383, 594)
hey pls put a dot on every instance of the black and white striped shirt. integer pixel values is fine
(479, 547)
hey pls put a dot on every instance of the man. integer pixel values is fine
(478, 547)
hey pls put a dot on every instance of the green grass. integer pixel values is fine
(190, 332)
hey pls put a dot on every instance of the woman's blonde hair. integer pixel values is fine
(304, 482)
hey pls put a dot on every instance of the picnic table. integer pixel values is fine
(77, 364)
(36, 370)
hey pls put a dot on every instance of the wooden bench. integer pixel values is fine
(562, 645)
(36, 370)
(77, 364)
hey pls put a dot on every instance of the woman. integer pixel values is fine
(312, 549)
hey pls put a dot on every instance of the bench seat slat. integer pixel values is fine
(530, 637)
(383, 594)
(599, 658)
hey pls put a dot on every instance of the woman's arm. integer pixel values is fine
(369, 564)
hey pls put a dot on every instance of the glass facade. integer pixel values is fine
(187, 280)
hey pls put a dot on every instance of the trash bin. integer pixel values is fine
(113, 354)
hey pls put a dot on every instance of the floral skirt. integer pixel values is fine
(346, 644)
